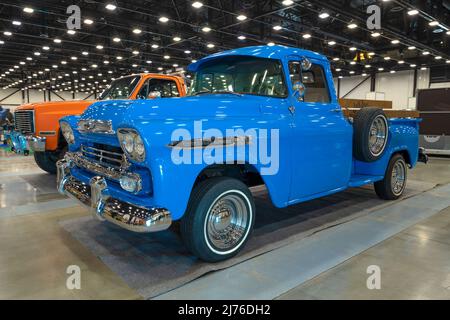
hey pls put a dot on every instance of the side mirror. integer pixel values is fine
(154, 95)
(306, 64)
(299, 91)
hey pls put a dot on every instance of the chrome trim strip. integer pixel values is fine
(96, 126)
(96, 196)
(47, 133)
(212, 142)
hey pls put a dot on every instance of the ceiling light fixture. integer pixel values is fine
(197, 4)
(110, 7)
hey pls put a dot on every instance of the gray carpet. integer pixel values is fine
(157, 263)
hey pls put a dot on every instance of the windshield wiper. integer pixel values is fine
(218, 92)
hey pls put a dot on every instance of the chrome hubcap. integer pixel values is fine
(378, 135)
(398, 177)
(227, 222)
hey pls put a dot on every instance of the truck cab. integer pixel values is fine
(265, 115)
(36, 125)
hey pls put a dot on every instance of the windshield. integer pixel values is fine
(121, 88)
(240, 75)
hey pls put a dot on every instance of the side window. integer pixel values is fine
(314, 80)
(165, 88)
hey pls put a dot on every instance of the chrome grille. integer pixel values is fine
(24, 121)
(105, 155)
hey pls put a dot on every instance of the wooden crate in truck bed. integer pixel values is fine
(351, 112)
(362, 103)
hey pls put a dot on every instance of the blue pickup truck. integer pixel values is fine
(265, 115)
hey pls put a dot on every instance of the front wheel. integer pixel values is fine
(47, 160)
(394, 183)
(219, 219)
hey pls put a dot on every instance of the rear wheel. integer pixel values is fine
(393, 185)
(219, 219)
(47, 160)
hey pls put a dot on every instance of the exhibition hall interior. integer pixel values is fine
(222, 150)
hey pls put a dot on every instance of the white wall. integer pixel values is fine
(15, 100)
(397, 87)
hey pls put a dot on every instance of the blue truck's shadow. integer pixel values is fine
(156, 263)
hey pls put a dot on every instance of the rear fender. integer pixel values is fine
(403, 138)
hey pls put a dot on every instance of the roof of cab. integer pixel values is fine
(271, 52)
(152, 75)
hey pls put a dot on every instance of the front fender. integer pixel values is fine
(173, 180)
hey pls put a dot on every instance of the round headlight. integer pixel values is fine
(139, 147)
(132, 144)
(67, 132)
(128, 142)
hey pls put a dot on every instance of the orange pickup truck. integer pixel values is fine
(36, 125)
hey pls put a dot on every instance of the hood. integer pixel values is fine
(56, 105)
(218, 106)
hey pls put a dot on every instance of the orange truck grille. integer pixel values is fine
(24, 121)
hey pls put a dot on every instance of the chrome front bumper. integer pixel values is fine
(96, 196)
(22, 143)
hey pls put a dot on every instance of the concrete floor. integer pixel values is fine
(35, 251)
(415, 264)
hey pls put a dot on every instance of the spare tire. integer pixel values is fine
(370, 134)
